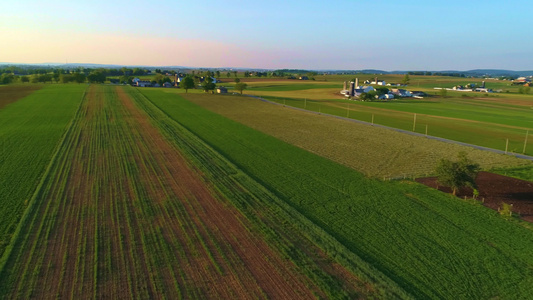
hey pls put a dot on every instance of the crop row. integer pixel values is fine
(122, 213)
(316, 253)
(431, 244)
(29, 132)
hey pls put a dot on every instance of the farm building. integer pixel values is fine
(521, 81)
(304, 78)
(401, 93)
(143, 83)
(222, 90)
(213, 78)
(167, 84)
(386, 96)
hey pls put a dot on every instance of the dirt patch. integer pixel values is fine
(10, 94)
(495, 189)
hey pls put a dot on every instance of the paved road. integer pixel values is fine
(522, 156)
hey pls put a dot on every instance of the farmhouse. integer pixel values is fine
(378, 82)
(202, 79)
(401, 93)
(386, 96)
(418, 94)
(143, 83)
(521, 81)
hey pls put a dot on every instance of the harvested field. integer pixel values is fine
(495, 189)
(10, 94)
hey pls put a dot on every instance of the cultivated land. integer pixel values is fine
(30, 129)
(487, 120)
(122, 213)
(432, 244)
(374, 151)
(10, 94)
(150, 193)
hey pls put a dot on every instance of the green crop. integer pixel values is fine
(432, 245)
(29, 132)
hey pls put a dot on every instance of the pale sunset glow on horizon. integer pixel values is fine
(343, 34)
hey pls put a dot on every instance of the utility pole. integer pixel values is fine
(414, 123)
(426, 130)
(347, 110)
(525, 142)
(372, 119)
(506, 145)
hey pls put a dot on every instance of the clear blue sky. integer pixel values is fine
(342, 34)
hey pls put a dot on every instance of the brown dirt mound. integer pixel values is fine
(495, 189)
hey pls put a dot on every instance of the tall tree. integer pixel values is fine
(240, 86)
(187, 83)
(457, 174)
(208, 84)
(406, 79)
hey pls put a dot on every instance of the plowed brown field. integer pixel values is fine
(10, 94)
(495, 189)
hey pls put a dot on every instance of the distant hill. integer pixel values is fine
(475, 72)
(496, 72)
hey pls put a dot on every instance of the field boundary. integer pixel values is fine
(517, 155)
(38, 190)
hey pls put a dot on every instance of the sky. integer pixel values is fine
(319, 35)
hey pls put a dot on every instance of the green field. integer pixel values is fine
(30, 130)
(112, 218)
(399, 155)
(497, 120)
(115, 191)
(433, 245)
